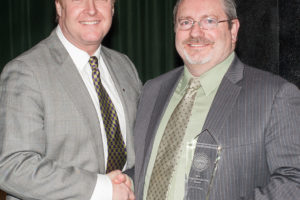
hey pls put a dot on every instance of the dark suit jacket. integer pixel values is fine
(50, 139)
(255, 118)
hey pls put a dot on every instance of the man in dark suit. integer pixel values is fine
(216, 128)
(67, 108)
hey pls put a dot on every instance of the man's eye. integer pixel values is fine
(210, 21)
(184, 22)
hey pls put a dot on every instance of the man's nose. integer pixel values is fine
(197, 30)
(91, 7)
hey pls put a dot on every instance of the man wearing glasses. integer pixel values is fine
(216, 128)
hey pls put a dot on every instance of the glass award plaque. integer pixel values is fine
(201, 162)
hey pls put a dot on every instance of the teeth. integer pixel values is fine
(89, 23)
(197, 45)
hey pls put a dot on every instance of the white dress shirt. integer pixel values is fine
(103, 188)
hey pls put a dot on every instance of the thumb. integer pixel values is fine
(121, 178)
(113, 174)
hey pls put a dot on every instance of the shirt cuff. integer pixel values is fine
(103, 188)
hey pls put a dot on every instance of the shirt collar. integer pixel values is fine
(79, 57)
(211, 79)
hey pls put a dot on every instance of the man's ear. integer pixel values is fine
(58, 7)
(234, 30)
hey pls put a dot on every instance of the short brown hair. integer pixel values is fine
(229, 9)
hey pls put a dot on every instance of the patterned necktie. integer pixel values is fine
(115, 144)
(169, 148)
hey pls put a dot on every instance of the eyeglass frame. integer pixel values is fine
(200, 24)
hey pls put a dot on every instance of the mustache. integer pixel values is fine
(198, 40)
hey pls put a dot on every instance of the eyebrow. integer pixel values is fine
(204, 16)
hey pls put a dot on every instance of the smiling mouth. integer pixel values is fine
(89, 22)
(197, 45)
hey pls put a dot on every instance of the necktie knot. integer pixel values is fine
(195, 84)
(93, 61)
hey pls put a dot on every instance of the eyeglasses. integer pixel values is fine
(207, 23)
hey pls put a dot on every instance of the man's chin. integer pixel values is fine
(196, 59)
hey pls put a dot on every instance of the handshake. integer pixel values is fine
(122, 186)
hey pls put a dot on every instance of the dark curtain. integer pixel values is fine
(269, 36)
(143, 30)
(24, 23)
(2, 195)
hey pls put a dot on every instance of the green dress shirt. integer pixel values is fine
(210, 82)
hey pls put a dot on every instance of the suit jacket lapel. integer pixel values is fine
(165, 93)
(115, 75)
(115, 71)
(74, 86)
(225, 99)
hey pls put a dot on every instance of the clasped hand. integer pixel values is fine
(122, 186)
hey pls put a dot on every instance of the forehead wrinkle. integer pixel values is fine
(211, 11)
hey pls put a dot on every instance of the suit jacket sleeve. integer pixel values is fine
(23, 145)
(282, 145)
